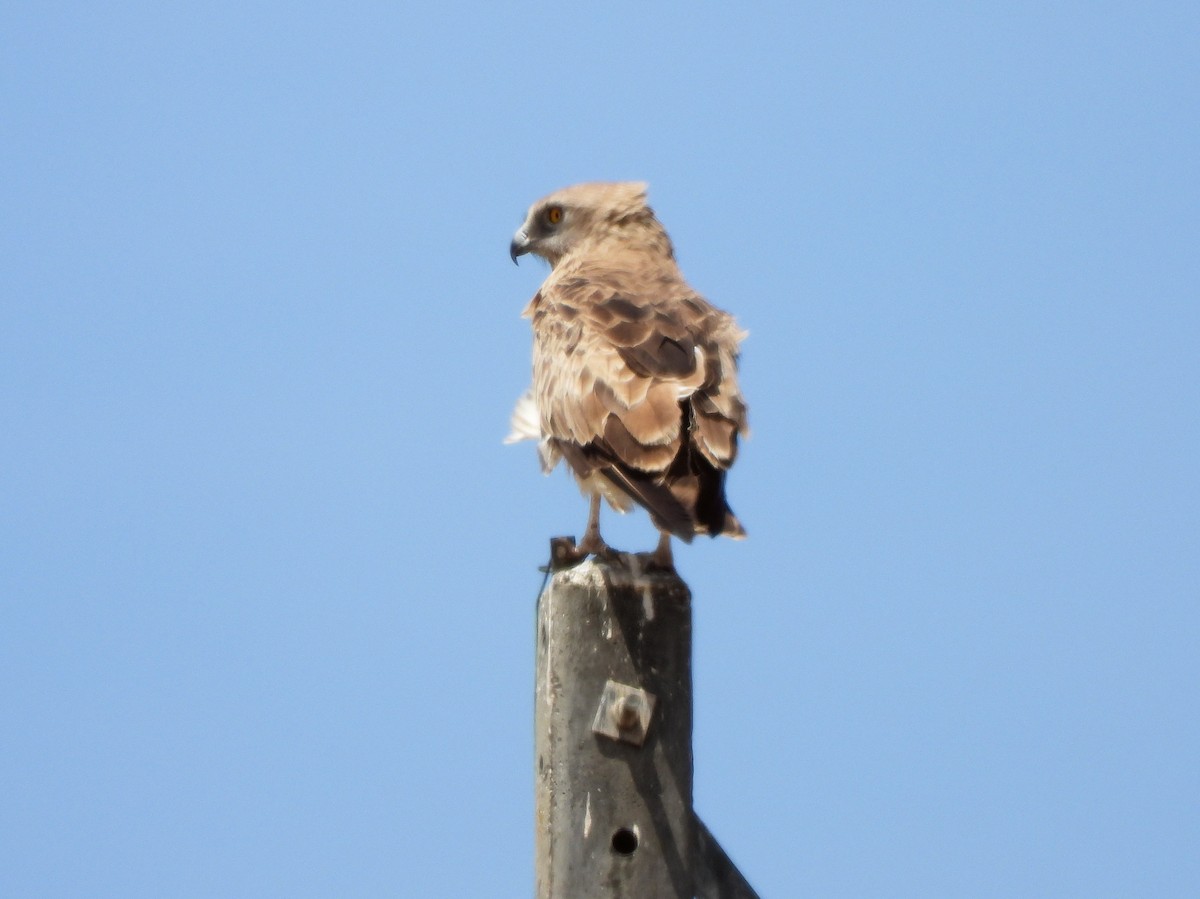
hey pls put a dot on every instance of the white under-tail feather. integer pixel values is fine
(526, 424)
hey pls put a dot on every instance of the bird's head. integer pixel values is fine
(579, 216)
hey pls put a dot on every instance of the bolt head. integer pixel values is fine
(627, 712)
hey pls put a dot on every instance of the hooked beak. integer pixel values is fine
(519, 246)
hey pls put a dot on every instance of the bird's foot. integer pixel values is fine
(655, 562)
(662, 559)
(593, 544)
(566, 553)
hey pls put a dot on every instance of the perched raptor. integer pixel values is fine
(634, 373)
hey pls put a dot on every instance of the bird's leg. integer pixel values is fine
(592, 542)
(662, 557)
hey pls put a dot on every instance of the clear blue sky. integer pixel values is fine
(267, 574)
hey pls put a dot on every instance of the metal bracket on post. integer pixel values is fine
(717, 877)
(562, 554)
(624, 713)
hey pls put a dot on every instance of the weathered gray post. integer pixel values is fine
(613, 719)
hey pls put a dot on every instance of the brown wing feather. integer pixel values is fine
(641, 387)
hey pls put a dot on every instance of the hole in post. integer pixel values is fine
(625, 841)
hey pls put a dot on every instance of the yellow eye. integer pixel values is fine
(554, 215)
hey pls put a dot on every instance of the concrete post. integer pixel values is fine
(613, 719)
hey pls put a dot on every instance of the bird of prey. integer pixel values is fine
(634, 373)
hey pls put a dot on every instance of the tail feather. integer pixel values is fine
(712, 511)
(666, 511)
(525, 421)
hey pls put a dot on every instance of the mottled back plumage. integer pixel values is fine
(634, 373)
